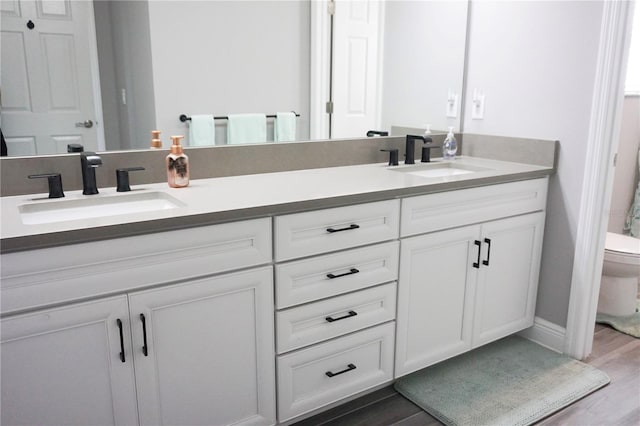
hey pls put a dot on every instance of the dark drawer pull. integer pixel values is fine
(477, 264)
(145, 348)
(119, 322)
(351, 272)
(352, 226)
(349, 368)
(349, 315)
(486, 262)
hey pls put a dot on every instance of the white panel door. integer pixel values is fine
(48, 61)
(435, 297)
(508, 279)
(357, 50)
(204, 351)
(67, 366)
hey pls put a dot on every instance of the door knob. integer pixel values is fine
(86, 123)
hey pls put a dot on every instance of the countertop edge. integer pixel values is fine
(55, 239)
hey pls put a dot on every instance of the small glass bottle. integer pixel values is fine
(450, 146)
(177, 165)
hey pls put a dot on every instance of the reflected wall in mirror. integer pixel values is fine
(157, 60)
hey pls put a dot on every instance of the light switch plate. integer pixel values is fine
(477, 105)
(452, 104)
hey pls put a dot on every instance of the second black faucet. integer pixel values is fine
(410, 149)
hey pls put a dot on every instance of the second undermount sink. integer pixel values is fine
(90, 207)
(439, 169)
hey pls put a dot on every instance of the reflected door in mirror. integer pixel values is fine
(357, 46)
(47, 84)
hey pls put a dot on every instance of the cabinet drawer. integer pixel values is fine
(317, 376)
(304, 325)
(304, 234)
(53, 275)
(433, 212)
(310, 279)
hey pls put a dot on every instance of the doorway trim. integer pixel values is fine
(95, 80)
(602, 143)
(320, 46)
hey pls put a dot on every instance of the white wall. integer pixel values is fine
(124, 50)
(423, 60)
(535, 62)
(226, 57)
(111, 122)
(134, 68)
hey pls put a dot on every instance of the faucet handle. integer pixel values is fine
(372, 133)
(426, 150)
(393, 156)
(55, 183)
(122, 176)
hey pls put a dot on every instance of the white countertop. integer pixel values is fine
(240, 197)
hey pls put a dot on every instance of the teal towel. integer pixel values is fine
(632, 225)
(247, 128)
(202, 130)
(284, 128)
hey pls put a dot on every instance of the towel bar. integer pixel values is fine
(184, 117)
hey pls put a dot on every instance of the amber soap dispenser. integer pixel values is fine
(177, 165)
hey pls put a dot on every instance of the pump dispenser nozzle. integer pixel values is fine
(156, 143)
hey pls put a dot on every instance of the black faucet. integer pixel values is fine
(89, 161)
(410, 148)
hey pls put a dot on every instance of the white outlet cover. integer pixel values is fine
(452, 105)
(477, 107)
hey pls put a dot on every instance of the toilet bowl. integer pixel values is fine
(620, 275)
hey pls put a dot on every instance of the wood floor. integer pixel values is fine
(617, 404)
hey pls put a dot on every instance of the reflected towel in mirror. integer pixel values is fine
(284, 129)
(246, 128)
(202, 130)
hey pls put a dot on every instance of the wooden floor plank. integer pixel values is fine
(421, 418)
(349, 407)
(383, 413)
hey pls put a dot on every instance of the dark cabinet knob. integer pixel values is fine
(122, 176)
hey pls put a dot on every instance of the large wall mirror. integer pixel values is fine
(106, 73)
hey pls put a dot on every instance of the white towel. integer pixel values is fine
(284, 129)
(247, 128)
(202, 130)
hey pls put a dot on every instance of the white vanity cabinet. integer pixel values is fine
(69, 365)
(336, 309)
(201, 343)
(463, 283)
(203, 351)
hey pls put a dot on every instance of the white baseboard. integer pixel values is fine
(546, 333)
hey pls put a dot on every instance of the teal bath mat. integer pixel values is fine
(629, 324)
(509, 382)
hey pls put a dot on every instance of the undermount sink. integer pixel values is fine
(93, 206)
(438, 169)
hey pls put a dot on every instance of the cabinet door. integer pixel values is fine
(66, 366)
(508, 279)
(435, 297)
(209, 352)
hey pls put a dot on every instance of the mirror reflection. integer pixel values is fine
(106, 73)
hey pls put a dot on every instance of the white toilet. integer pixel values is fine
(620, 275)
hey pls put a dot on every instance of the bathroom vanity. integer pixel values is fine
(259, 299)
